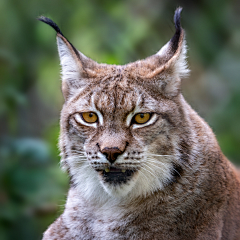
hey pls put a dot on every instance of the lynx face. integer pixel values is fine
(121, 126)
(128, 141)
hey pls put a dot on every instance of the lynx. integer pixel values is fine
(142, 163)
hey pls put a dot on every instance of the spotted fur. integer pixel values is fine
(169, 179)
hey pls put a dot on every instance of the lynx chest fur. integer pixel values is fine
(142, 163)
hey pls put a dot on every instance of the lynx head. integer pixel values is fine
(122, 127)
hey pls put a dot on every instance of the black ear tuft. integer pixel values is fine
(175, 39)
(50, 23)
(57, 29)
(177, 19)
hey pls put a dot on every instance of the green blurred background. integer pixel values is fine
(32, 187)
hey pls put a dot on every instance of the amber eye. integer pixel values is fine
(141, 118)
(89, 117)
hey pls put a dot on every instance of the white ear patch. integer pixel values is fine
(178, 61)
(164, 50)
(70, 67)
(180, 65)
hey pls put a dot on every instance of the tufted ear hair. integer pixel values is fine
(76, 67)
(166, 68)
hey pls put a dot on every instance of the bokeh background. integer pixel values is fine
(32, 187)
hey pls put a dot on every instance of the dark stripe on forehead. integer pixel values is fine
(104, 101)
(115, 97)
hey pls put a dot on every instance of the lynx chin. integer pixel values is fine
(142, 163)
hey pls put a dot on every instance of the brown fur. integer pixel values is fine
(184, 187)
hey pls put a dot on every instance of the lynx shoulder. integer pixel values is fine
(142, 163)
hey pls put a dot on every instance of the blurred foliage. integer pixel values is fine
(32, 186)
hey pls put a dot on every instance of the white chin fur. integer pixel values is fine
(119, 190)
(90, 185)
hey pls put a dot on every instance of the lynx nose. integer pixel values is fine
(111, 153)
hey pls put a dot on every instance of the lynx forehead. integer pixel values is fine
(142, 163)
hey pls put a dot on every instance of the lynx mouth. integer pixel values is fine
(116, 175)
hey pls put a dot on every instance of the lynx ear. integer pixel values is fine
(169, 65)
(76, 67)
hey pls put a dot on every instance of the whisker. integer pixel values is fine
(152, 163)
(152, 154)
(81, 152)
(157, 161)
(75, 158)
(149, 170)
(143, 174)
(187, 165)
(177, 172)
(78, 154)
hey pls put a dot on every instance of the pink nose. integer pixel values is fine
(111, 153)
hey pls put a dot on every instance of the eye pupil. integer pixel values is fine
(141, 115)
(90, 115)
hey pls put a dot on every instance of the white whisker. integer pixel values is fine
(177, 172)
(173, 158)
(152, 163)
(158, 155)
(143, 174)
(149, 170)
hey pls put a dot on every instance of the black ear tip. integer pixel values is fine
(177, 18)
(50, 23)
